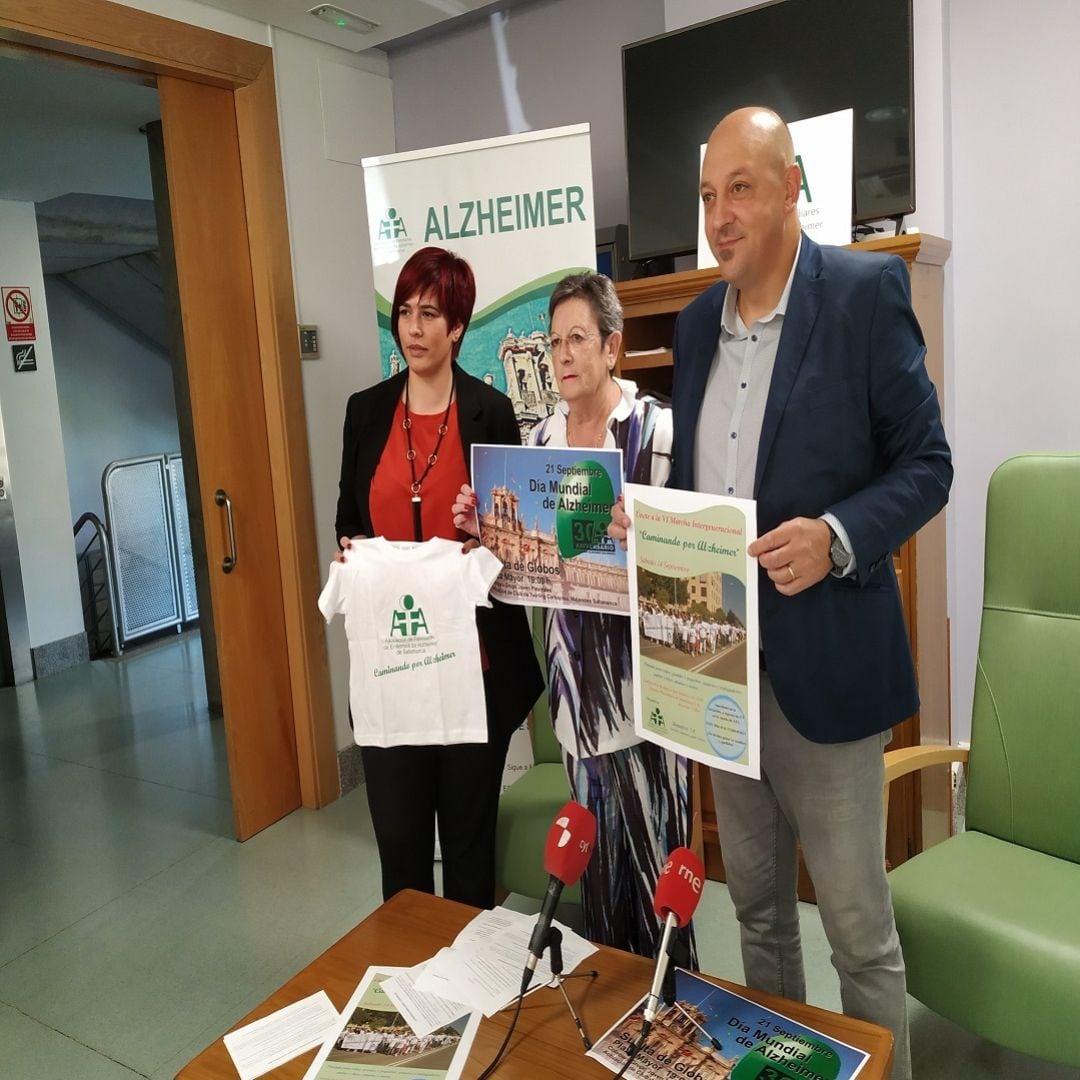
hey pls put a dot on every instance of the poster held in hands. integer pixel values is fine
(544, 513)
(693, 601)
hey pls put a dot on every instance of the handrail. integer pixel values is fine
(90, 518)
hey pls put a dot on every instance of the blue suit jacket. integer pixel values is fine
(852, 426)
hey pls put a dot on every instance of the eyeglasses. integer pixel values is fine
(575, 341)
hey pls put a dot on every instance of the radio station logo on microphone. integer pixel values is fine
(564, 839)
(691, 878)
(679, 862)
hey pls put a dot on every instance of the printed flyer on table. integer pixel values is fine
(710, 1033)
(693, 596)
(373, 1041)
(544, 513)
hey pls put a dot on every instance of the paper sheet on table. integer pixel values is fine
(269, 1042)
(424, 1013)
(482, 969)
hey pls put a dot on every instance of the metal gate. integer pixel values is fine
(150, 544)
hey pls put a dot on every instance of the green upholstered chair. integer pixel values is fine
(528, 807)
(989, 920)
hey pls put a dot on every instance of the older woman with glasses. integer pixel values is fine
(639, 792)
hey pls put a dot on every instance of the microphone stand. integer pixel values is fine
(677, 949)
(552, 941)
(554, 945)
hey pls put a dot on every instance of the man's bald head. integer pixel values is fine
(761, 130)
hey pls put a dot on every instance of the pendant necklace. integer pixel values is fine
(418, 527)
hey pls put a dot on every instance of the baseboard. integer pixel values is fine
(57, 656)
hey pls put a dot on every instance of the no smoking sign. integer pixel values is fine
(18, 313)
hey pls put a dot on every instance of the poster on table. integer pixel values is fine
(693, 603)
(823, 151)
(374, 1041)
(710, 1033)
(544, 513)
(519, 210)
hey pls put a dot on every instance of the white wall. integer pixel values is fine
(115, 393)
(1015, 159)
(38, 480)
(568, 60)
(330, 105)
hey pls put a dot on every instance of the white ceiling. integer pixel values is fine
(396, 18)
(71, 128)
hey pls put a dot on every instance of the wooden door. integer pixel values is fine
(214, 277)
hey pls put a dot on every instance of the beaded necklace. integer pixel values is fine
(410, 455)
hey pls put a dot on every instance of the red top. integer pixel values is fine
(390, 498)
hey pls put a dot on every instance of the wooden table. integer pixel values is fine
(414, 926)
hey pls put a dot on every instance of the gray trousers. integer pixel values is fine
(826, 797)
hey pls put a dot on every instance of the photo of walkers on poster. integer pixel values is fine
(693, 597)
(373, 1040)
(544, 514)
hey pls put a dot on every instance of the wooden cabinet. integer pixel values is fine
(650, 306)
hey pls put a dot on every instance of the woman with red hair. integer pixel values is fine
(406, 452)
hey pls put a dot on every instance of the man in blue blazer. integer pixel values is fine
(800, 381)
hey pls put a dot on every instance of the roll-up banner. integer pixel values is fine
(519, 209)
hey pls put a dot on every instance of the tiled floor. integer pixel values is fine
(134, 929)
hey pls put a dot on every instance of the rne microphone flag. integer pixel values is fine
(678, 890)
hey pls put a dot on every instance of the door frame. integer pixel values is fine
(142, 46)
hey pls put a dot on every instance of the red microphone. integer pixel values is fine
(570, 843)
(567, 852)
(678, 892)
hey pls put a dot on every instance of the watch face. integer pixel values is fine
(839, 554)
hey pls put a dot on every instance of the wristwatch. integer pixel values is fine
(841, 557)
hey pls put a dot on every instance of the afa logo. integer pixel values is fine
(392, 227)
(408, 620)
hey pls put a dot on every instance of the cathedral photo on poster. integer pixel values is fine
(544, 514)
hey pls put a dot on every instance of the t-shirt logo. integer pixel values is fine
(408, 620)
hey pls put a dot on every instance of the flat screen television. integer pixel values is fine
(800, 57)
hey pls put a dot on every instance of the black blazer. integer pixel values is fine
(513, 680)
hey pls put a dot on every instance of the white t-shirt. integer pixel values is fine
(414, 654)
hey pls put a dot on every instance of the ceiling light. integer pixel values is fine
(342, 19)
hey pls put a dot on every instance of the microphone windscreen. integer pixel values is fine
(570, 843)
(679, 889)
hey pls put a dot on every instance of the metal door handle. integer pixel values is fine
(228, 564)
